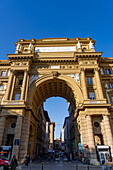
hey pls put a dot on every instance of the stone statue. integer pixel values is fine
(30, 46)
(79, 44)
(91, 45)
(18, 47)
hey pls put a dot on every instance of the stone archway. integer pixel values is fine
(50, 85)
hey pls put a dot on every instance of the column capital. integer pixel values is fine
(13, 71)
(96, 69)
(25, 70)
(82, 69)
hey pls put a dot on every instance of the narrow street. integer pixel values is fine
(59, 165)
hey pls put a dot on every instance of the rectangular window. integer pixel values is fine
(17, 96)
(110, 86)
(89, 81)
(20, 82)
(3, 73)
(108, 71)
(1, 87)
(112, 98)
(92, 95)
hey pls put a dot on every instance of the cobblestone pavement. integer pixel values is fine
(59, 165)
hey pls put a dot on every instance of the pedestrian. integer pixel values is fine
(27, 160)
(14, 163)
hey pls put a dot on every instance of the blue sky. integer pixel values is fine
(57, 108)
(59, 18)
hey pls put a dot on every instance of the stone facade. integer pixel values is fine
(68, 68)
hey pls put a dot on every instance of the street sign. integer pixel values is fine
(85, 146)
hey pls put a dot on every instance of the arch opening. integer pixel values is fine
(47, 87)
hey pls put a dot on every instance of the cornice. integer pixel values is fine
(4, 63)
(20, 56)
(55, 41)
(107, 60)
(88, 54)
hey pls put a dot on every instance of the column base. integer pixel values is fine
(94, 162)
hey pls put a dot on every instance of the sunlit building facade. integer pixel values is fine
(68, 68)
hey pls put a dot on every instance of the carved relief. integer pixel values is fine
(55, 74)
(34, 77)
(75, 76)
(101, 71)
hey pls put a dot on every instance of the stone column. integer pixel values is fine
(91, 143)
(27, 86)
(98, 84)
(25, 136)
(108, 132)
(12, 88)
(24, 85)
(2, 127)
(17, 137)
(83, 84)
(7, 94)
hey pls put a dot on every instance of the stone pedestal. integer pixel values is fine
(17, 137)
(25, 136)
(91, 143)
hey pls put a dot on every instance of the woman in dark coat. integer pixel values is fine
(14, 163)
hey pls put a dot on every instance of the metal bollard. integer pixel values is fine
(42, 165)
(88, 167)
(77, 165)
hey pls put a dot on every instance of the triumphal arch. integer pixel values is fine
(69, 68)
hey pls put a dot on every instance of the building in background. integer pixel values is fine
(57, 142)
(47, 130)
(66, 127)
(62, 139)
(52, 129)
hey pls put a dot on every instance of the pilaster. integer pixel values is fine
(12, 88)
(83, 84)
(27, 85)
(24, 85)
(9, 85)
(98, 84)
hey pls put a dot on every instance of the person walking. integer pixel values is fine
(14, 163)
(27, 160)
